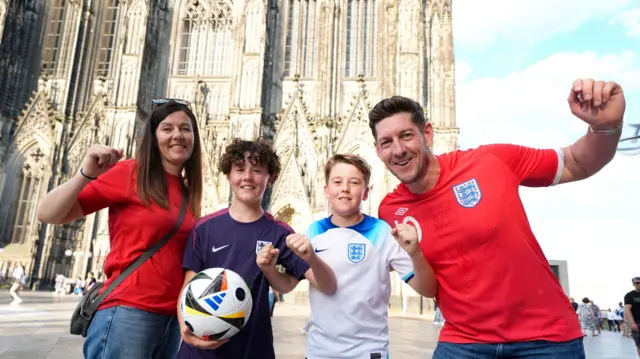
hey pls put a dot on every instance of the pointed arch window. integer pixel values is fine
(186, 28)
(107, 37)
(361, 38)
(206, 41)
(28, 187)
(53, 37)
(300, 44)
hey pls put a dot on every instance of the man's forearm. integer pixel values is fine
(280, 282)
(324, 276)
(424, 279)
(628, 316)
(591, 153)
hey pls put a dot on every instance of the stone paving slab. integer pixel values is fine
(39, 329)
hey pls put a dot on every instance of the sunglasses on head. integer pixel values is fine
(162, 101)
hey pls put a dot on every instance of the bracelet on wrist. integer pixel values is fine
(607, 131)
(87, 177)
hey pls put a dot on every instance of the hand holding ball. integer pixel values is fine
(215, 305)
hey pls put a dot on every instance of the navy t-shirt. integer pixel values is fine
(219, 241)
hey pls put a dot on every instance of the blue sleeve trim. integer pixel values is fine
(408, 277)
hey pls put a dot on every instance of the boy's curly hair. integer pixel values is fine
(260, 153)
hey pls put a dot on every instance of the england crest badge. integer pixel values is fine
(260, 244)
(468, 193)
(356, 252)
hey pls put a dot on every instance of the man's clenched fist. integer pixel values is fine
(407, 237)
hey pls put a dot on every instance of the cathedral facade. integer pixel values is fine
(302, 73)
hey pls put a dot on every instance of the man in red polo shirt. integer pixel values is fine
(494, 284)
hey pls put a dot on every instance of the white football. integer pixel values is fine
(216, 304)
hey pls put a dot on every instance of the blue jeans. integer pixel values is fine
(573, 349)
(125, 332)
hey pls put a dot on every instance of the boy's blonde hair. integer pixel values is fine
(350, 159)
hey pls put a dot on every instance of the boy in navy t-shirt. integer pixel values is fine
(248, 241)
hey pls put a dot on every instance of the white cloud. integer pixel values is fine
(630, 20)
(592, 224)
(533, 101)
(478, 23)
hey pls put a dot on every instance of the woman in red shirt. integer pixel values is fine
(144, 195)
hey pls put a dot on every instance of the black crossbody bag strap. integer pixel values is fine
(93, 306)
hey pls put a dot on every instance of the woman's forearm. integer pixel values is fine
(61, 204)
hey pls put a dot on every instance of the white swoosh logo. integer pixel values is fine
(214, 249)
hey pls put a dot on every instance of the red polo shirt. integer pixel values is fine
(494, 282)
(133, 228)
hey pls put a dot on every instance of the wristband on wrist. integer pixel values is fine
(87, 177)
(607, 131)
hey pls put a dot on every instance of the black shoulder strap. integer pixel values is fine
(93, 306)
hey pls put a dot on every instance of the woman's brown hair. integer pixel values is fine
(151, 181)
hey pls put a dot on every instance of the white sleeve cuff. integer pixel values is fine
(560, 169)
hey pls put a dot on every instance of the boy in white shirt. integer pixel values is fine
(18, 284)
(361, 250)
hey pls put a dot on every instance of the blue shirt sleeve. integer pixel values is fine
(192, 258)
(293, 264)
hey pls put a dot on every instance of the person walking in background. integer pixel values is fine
(632, 311)
(574, 304)
(613, 321)
(19, 281)
(438, 319)
(273, 299)
(597, 314)
(586, 317)
(78, 288)
(90, 281)
(626, 328)
(60, 284)
(618, 321)
(145, 197)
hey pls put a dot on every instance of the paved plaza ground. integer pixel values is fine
(39, 329)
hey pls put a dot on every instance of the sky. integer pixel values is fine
(514, 70)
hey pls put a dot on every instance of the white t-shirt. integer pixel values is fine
(18, 274)
(352, 323)
(613, 316)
